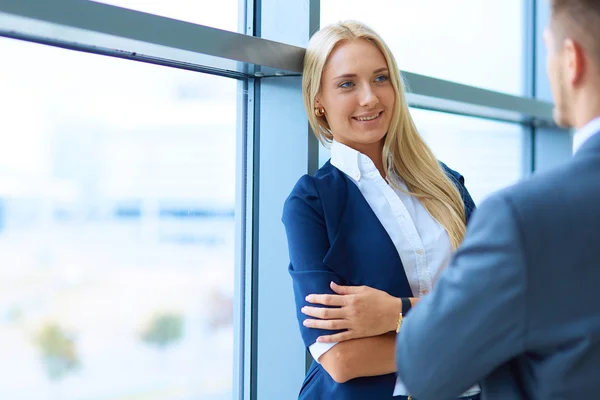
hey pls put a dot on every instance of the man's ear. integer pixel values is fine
(574, 61)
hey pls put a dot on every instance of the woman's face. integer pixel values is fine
(357, 94)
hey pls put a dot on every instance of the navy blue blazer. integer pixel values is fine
(334, 235)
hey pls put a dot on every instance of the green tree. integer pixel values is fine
(59, 354)
(163, 330)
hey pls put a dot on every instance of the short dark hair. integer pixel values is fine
(580, 21)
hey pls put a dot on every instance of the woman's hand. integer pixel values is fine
(363, 311)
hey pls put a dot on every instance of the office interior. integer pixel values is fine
(146, 151)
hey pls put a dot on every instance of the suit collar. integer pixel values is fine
(586, 132)
(592, 142)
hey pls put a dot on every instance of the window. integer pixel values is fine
(487, 153)
(479, 43)
(224, 16)
(117, 183)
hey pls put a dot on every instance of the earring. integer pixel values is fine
(319, 112)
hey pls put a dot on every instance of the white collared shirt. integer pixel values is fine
(422, 243)
(586, 132)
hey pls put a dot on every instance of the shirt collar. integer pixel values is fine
(351, 162)
(586, 131)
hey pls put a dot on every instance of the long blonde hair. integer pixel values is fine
(404, 151)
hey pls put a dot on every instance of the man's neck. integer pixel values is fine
(587, 106)
(583, 119)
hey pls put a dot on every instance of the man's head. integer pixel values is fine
(573, 46)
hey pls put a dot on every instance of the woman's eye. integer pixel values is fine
(345, 85)
(382, 78)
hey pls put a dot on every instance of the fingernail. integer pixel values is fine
(320, 340)
(305, 323)
(303, 309)
(307, 298)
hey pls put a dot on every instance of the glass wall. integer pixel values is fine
(117, 192)
(479, 43)
(487, 153)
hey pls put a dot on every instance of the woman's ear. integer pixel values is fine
(318, 103)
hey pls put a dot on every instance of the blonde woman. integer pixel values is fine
(383, 214)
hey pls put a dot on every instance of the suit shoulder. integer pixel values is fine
(304, 189)
(308, 185)
(459, 182)
(541, 187)
(327, 171)
(535, 197)
(452, 173)
(327, 186)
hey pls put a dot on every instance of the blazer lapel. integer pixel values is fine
(359, 226)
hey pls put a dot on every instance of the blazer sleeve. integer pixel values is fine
(308, 244)
(475, 318)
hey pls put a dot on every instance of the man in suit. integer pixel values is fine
(518, 309)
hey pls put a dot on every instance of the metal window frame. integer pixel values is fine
(529, 73)
(280, 124)
(247, 56)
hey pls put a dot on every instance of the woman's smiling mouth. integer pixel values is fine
(368, 118)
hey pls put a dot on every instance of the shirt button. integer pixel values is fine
(419, 251)
(357, 176)
(425, 292)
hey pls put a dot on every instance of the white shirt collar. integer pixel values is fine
(351, 162)
(586, 131)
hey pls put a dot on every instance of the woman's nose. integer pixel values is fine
(368, 98)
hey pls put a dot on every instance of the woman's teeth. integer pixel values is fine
(368, 118)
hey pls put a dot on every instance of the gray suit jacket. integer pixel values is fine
(518, 309)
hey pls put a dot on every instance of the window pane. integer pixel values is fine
(487, 153)
(224, 16)
(117, 184)
(479, 43)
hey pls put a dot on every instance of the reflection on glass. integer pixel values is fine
(224, 16)
(117, 184)
(479, 43)
(487, 153)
